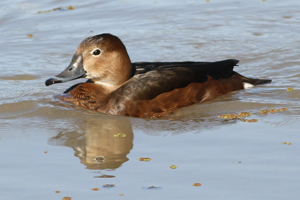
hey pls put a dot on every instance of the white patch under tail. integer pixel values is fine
(247, 85)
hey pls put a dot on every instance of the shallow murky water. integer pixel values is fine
(47, 147)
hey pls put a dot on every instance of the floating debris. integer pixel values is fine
(173, 166)
(121, 194)
(99, 159)
(44, 11)
(105, 176)
(265, 112)
(235, 116)
(282, 109)
(252, 120)
(290, 89)
(152, 187)
(228, 116)
(287, 17)
(95, 189)
(67, 198)
(144, 159)
(273, 110)
(29, 35)
(249, 120)
(57, 191)
(244, 114)
(120, 135)
(196, 184)
(59, 8)
(45, 151)
(108, 185)
(288, 143)
(56, 9)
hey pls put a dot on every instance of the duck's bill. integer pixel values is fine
(74, 71)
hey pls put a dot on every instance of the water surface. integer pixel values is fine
(46, 146)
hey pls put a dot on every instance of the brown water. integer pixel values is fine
(47, 147)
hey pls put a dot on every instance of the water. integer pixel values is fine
(47, 147)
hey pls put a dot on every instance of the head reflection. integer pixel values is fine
(101, 143)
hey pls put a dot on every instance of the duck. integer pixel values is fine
(116, 86)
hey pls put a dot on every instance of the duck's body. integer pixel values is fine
(117, 87)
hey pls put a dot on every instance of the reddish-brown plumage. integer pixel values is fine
(153, 89)
(168, 102)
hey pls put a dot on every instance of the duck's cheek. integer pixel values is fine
(94, 77)
(93, 72)
(90, 73)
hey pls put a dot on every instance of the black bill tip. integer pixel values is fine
(51, 81)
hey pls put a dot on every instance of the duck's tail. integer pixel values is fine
(250, 82)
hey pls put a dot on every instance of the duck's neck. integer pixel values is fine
(107, 88)
(115, 77)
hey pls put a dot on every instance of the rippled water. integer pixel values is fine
(48, 147)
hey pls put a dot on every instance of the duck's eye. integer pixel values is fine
(96, 52)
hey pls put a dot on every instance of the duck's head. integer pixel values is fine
(101, 58)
